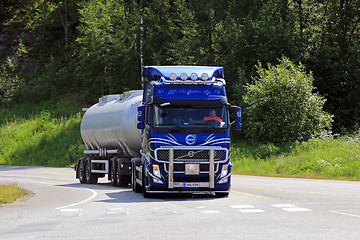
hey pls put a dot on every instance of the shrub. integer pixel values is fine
(281, 105)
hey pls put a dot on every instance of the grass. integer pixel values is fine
(318, 158)
(41, 135)
(48, 134)
(11, 193)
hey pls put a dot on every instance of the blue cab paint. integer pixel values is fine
(187, 130)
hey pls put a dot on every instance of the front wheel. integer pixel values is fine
(135, 186)
(146, 194)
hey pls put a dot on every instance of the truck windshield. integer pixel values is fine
(190, 117)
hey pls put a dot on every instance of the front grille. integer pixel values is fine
(199, 155)
(163, 155)
(180, 168)
(191, 179)
(204, 168)
(193, 155)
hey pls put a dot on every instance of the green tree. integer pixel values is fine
(108, 55)
(281, 105)
(335, 60)
(170, 33)
(11, 85)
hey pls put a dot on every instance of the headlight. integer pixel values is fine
(156, 170)
(224, 170)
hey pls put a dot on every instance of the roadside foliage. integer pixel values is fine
(283, 107)
(90, 48)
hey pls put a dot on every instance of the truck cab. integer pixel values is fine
(185, 122)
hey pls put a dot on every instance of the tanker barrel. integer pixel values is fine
(112, 124)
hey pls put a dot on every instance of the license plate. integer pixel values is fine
(191, 184)
(192, 169)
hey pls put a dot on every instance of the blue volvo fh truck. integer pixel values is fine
(171, 137)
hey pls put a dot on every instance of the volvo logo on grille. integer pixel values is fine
(190, 139)
(191, 154)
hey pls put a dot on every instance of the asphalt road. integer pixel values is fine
(257, 208)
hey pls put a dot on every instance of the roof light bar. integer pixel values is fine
(204, 76)
(194, 76)
(183, 76)
(173, 76)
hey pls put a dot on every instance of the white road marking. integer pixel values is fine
(242, 206)
(209, 211)
(200, 207)
(346, 214)
(283, 205)
(255, 210)
(71, 212)
(291, 208)
(117, 211)
(86, 200)
(247, 209)
(296, 209)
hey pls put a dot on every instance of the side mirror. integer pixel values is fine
(238, 115)
(140, 117)
(238, 126)
(140, 114)
(140, 125)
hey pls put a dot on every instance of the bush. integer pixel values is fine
(281, 105)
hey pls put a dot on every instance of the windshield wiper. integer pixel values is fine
(181, 127)
(177, 125)
(207, 124)
(217, 129)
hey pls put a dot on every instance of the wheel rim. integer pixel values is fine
(81, 175)
(112, 174)
(87, 171)
(118, 175)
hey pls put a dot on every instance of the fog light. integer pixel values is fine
(224, 180)
(156, 180)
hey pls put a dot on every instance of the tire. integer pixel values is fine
(91, 178)
(121, 180)
(81, 171)
(113, 174)
(146, 194)
(134, 185)
(222, 194)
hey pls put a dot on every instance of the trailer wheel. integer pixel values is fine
(112, 174)
(91, 178)
(81, 171)
(121, 180)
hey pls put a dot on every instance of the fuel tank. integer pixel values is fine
(112, 124)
